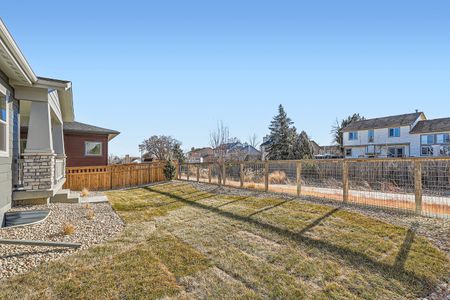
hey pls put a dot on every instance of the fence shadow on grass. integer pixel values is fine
(402, 255)
(356, 259)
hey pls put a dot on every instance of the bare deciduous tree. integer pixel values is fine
(253, 140)
(219, 140)
(160, 147)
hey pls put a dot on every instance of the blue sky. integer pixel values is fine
(177, 67)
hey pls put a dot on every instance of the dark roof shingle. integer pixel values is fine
(86, 128)
(385, 122)
(430, 126)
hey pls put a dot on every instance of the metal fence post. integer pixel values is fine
(418, 186)
(266, 176)
(241, 175)
(198, 173)
(345, 181)
(299, 178)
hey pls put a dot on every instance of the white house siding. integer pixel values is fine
(411, 143)
(6, 163)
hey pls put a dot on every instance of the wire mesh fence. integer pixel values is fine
(416, 185)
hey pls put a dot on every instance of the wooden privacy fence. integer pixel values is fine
(419, 185)
(113, 177)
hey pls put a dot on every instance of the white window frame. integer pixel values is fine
(395, 130)
(430, 152)
(94, 155)
(351, 152)
(5, 93)
(444, 138)
(354, 134)
(371, 135)
(443, 149)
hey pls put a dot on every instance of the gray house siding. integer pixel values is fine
(7, 165)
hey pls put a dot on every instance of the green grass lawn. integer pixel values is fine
(182, 243)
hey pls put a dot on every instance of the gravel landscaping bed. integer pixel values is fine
(93, 224)
(436, 230)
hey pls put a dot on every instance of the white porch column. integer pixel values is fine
(39, 157)
(58, 139)
(39, 139)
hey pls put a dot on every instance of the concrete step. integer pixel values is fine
(65, 196)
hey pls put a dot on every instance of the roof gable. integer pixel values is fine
(385, 122)
(430, 126)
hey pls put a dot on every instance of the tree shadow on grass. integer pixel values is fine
(355, 258)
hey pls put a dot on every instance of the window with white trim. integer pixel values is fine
(442, 138)
(444, 151)
(353, 136)
(348, 152)
(4, 136)
(396, 152)
(93, 149)
(427, 151)
(427, 139)
(394, 132)
(371, 135)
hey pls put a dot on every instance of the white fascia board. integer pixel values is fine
(8, 41)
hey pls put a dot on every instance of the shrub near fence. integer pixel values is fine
(114, 176)
(418, 185)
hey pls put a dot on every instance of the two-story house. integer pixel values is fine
(408, 135)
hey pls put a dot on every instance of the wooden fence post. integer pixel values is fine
(224, 173)
(241, 175)
(209, 173)
(198, 173)
(299, 178)
(266, 176)
(345, 181)
(187, 172)
(110, 177)
(418, 186)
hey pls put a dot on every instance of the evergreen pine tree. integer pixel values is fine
(304, 148)
(281, 136)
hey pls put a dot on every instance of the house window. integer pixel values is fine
(348, 152)
(444, 151)
(3, 125)
(427, 151)
(396, 152)
(93, 149)
(394, 132)
(353, 136)
(443, 138)
(427, 139)
(371, 136)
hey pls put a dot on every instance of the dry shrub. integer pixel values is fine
(87, 206)
(278, 177)
(252, 176)
(84, 192)
(250, 185)
(68, 229)
(90, 214)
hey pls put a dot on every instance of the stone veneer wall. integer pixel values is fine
(38, 171)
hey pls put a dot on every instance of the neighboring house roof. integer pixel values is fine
(385, 122)
(429, 126)
(78, 127)
(266, 143)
